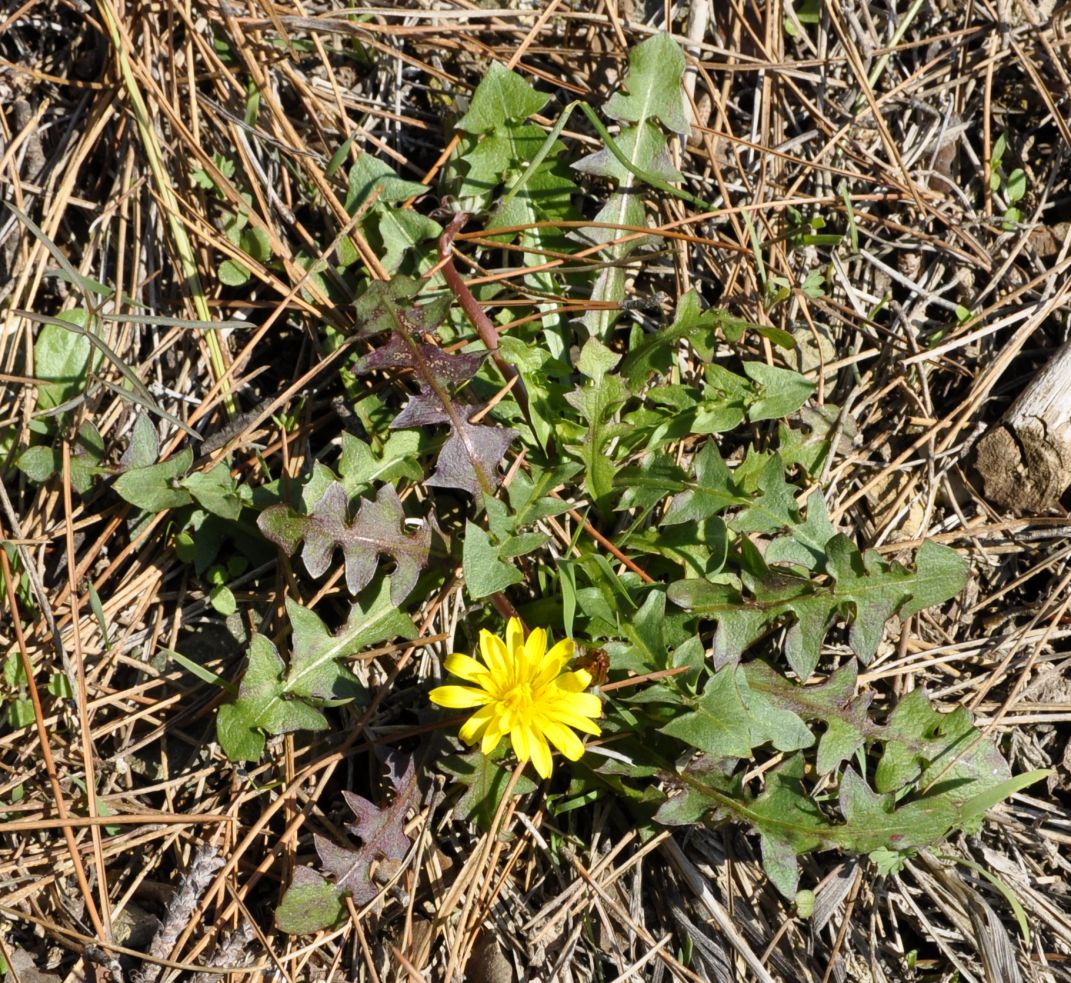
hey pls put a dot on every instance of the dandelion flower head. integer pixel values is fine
(522, 690)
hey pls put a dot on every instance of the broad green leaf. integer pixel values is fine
(215, 491)
(644, 631)
(154, 488)
(63, 359)
(1015, 186)
(655, 71)
(38, 463)
(645, 485)
(485, 573)
(530, 495)
(637, 143)
(623, 209)
(144, 447)
(500, 97)
(875, 591)
(781, 391)
(310, 904)
(923, 746)
(805, 542)
(774, 507)
(718, 723)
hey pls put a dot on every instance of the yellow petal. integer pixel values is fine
(541, 755)
(492, 735)
(574, 682)
(473, 728)
(496, 657)
(458, 697)
(514, 637)
(565, 715)
(556, 659)
(563, 739)
(466, 667)
(521, 741)
(534, 647)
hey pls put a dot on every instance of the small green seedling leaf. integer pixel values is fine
(310, 904)
(233, 273)
(154, 488)
(63, 359)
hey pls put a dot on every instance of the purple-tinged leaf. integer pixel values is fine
(421, 357)
(377, 530)
(469, 458)
(382, 307)
(422, 410)
(470, 451)
(384, 842)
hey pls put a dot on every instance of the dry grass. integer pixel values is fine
(896, 113)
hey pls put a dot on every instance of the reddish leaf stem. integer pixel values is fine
(484, 326)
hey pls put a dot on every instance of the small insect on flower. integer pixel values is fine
(522, 690)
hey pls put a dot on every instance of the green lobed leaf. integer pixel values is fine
(654, 353)
(369, 175)
(923, 746)
(719, 723)
(500, 97)
(484, 781)
(655, 71)
(789, 821)
(711, 493)
(485, 573)
(401, 231)
(866, 589)
(360, 465)
(260, 707)
(315, 671)
(598, 404)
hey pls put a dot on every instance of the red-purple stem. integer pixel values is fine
(485, 328)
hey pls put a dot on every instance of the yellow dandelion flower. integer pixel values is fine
(522, 690)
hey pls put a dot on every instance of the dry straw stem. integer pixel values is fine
(881, 119)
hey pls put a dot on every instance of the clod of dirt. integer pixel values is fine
(1025, 461)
